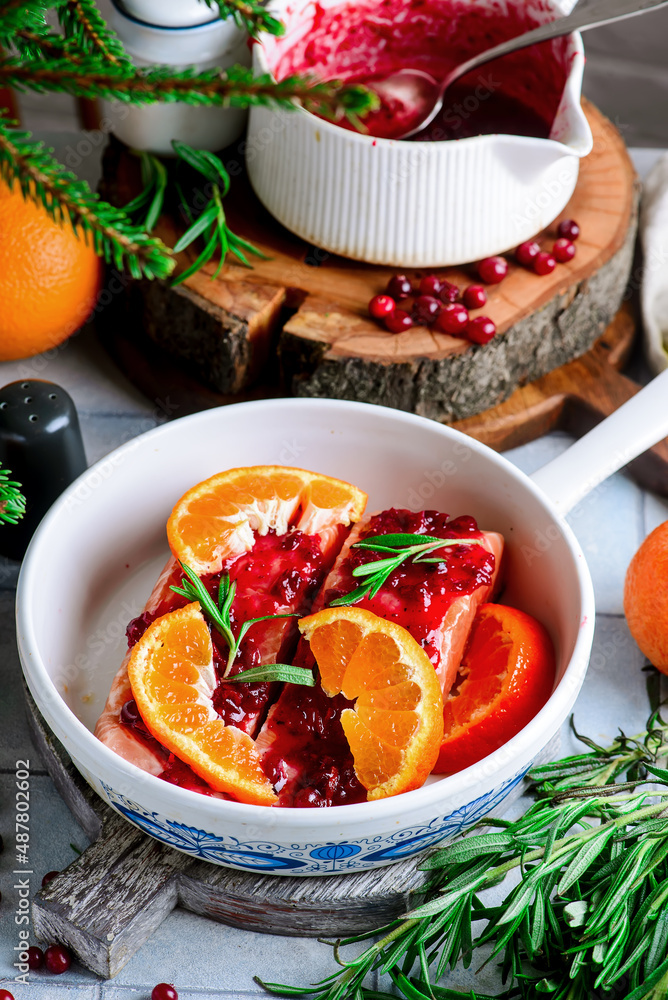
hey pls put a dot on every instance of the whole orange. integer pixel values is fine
(646, 597)
(49, 278)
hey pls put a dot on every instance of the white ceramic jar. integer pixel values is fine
(216, 43)
(415, 204)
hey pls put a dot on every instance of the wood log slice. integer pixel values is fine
(223, 332)
(329, 349)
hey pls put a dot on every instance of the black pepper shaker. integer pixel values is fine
(40, 443)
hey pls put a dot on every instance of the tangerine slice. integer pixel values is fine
(505, 678)
(216, 519)
(173, 679)
(395, 727)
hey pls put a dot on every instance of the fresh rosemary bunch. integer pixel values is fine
(211, 222)
(193, 589)
(587, 913)
(12, 501)
(397, 548)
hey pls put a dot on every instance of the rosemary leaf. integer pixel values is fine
(275, 672)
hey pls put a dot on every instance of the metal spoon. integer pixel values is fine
(421, 96)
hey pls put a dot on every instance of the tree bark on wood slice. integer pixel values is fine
(332, 350)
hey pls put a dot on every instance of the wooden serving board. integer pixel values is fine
(297, 323)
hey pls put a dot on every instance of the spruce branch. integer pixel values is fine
(12, 501)
(43, 179)
(248, 14)
(18, 15)
(235, 87)
(83, 25)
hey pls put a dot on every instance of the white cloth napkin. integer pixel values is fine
(654, 288)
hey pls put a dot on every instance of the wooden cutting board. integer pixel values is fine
(297, 322)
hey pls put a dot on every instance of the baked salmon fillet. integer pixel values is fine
(304, 751)
(280, 574)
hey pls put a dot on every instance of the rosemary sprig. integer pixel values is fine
(194, 590)
(12, 501)
(397, 548)
(154, 179)
(211, 223)
(588, 914)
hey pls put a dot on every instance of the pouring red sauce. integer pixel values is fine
(518, 94)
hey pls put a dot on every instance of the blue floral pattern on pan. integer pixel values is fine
(306, 859)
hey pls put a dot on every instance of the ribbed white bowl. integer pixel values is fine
(411, 203)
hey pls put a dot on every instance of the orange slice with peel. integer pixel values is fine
(396, 724)
(173, 679)
(216, 519)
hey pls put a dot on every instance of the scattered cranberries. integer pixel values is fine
(57, 959)
(563, 250)
(569, 229)
(474, 297)
(398, 321)
(49, 875)
(431, 284)
(164, 991)
(481, 330)
(399, 287)
(527, 252)
(492, 270)
(382, 306)
(35, 957)
(448, 292)
(453, 319)
(425, 309)
(544, 263)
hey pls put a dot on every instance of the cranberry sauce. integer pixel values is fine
(280, 575)
(418, 595)
(305, 752)
(368, 40)
(308, 759)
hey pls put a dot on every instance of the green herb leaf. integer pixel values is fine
(275, 672)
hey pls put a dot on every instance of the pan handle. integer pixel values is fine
(621, 437)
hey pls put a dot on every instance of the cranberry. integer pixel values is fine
(481, 330)
(399, 287)
(431, 284)
(130, 713)
(544, 263)
(381, 306)
(448, 292)
(492, 270)
(425, 309)
(453, 319)
(6, 995)
(398, 321)
(164, 991)
(569, 229)
(527, 252)
(47, 878)
(563, 250)
(35, 957)
(57, 959)
(475, 297)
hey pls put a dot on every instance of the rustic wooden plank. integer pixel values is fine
(331, 348)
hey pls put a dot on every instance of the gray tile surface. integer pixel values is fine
(204, 959)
